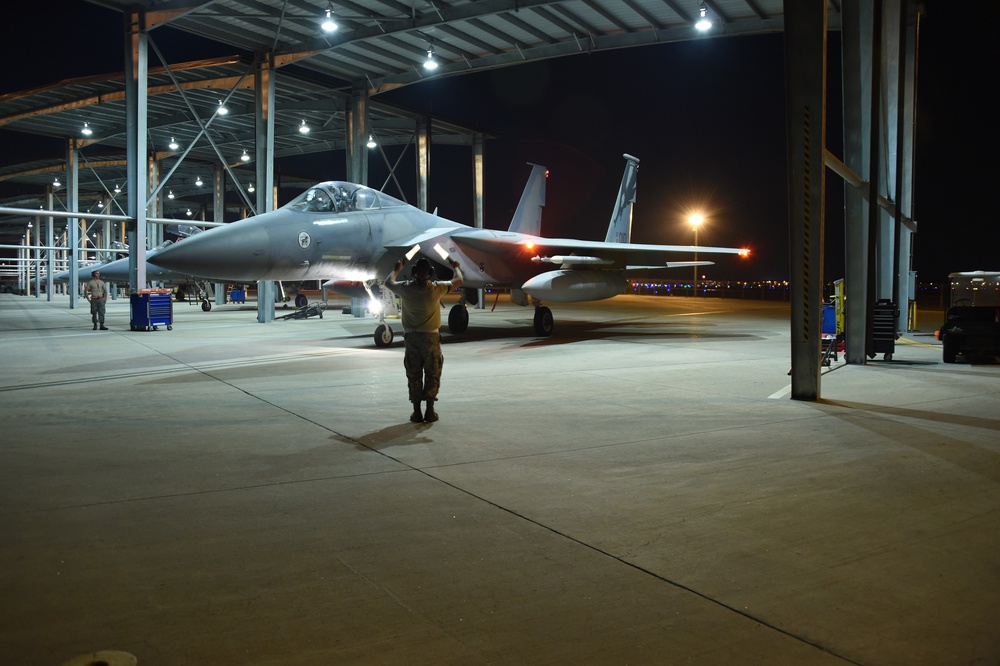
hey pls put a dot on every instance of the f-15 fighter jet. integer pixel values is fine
(356, 234)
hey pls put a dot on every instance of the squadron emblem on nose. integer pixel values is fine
(304, 240)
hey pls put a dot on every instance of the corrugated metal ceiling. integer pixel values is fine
(379, 45)
(382, 43)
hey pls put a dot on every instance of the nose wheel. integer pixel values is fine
(383, 335)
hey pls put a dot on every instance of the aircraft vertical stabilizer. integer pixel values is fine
(620, 229)
(528, 216)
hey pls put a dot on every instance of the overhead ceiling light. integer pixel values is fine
(189, 213)
(430, 64)
(198, 182)
(303, 127)
(245, 157)
(86, 131)
(173, 144)
(55, 182)
(250, 187)
(704, 23)
(328, 24)
(222, 109)
(371, 141)
(170, 194)
(30, 225)
(100, 203)
(118, 189)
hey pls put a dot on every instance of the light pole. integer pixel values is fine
(695, 219)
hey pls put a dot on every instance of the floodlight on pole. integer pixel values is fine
(696, 219)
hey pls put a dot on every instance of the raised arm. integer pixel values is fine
(456, 281)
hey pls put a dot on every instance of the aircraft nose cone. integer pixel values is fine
(238, 252)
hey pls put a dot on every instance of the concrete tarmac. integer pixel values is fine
(636, 489)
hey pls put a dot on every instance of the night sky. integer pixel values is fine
(705, 118)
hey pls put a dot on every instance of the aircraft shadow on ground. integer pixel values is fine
(571, 332)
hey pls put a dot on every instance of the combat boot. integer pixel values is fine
(416, 416)
(430, 415)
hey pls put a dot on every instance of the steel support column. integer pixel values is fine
(905, 111)
(50, 234)
(39, 225)
(875, 178)
(856, 45)
(357, 136)
(72, 224)
(153, 209)
(264, 155)
(478, 193)
(805, 86)
(136, 86)
(423, 161)
(219, 216)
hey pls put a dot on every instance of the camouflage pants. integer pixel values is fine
(97, 308)
(423, 360)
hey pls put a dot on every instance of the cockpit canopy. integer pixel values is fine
(338, 196)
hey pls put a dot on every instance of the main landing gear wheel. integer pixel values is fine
(383, 335)
(543, 321)
(458, 319)
(206, 305)
(949, 349)
(301, 301)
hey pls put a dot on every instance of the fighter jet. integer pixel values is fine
(117, 271)
(84, 269)
(357, 234)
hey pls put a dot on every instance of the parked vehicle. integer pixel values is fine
(972, 323)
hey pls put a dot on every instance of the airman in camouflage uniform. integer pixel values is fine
(423, 359)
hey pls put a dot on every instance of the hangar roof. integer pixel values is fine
(379, 45)
(383, 42)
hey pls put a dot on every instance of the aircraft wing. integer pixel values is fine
(571, 252)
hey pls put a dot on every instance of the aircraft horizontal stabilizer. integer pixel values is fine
(672, 264)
